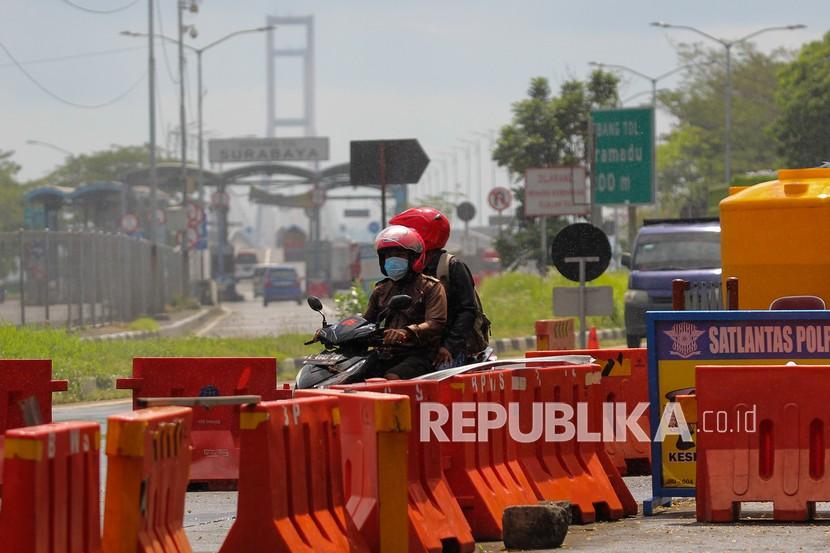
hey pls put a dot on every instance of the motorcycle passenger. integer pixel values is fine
(434, 228)
(419, 327)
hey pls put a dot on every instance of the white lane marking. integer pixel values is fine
(210, 326)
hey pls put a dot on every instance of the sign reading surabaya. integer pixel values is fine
(685, 339)
(556, 191)
(266, 150)
(623, 156)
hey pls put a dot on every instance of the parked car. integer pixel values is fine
(281, 283)
(667, 249)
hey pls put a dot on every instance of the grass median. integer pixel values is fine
(515, 301)
(92, 367)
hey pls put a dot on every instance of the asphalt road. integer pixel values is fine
(249, 318)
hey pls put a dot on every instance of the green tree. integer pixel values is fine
(690, 159)
(109, 164)
(547, 130)
(11, 194)
(804, 102)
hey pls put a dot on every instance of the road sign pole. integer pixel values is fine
(582, 291)
(582, 303)
(544, 238)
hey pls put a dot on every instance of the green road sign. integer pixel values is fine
(623, 171)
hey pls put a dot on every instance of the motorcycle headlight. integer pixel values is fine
(636, 296)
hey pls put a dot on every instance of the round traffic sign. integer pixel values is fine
(581, 240)
(195, 213)
(129, 223)
(500, 198)
(466, 211)
(220, 199)
(374, 227)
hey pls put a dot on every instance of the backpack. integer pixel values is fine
(480, 337)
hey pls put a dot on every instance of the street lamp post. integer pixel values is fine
(200, 86)
(199, 52)
(57, 149)
(727, 45)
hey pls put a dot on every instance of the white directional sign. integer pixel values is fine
(556, 191)
(599, 301)
(265, 150)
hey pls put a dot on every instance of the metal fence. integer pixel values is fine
(84, 278)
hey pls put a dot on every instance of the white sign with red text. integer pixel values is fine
(556, 191)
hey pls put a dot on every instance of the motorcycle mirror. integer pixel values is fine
(315, 303)
(400, 302)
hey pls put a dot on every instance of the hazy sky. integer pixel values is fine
(436, 70)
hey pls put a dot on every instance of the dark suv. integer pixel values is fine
(667, 249)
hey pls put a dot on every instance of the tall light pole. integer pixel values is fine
(470, 144)
(200, 86)
(727, 45)
(154, 181)
(51, 146)
(57, 149)
(652, 80)
(490, 135)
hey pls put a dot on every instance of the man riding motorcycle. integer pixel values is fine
(420, 327)
(434, 228)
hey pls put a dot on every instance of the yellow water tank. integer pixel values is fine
(775, 237)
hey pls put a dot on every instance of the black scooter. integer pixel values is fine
(350, 348)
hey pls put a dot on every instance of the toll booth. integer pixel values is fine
(100, 204)
(42, 207)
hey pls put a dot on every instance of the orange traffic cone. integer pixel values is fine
(593, 341)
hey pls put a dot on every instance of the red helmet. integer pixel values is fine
(430, 223)
(397, 236)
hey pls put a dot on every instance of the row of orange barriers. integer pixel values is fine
(353, 468)
(331, 470)
(624, 380)
(51, 500)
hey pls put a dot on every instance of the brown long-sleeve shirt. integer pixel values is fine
(426, 318)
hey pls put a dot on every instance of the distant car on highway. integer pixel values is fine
(244, 264)
(280, 282)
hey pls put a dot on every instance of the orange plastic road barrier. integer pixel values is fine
(148, 457)
(484, 475)
(51, 498)
(555, 334)
(624, 380)
(215, 431)
(21, 379)
(374, 434)
(290, 481)
(436, 522)
(762, 435)
(579, 471)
